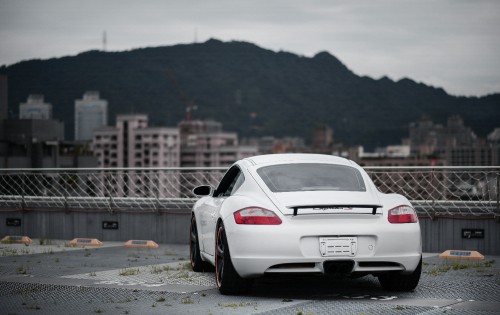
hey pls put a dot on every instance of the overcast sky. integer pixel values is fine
(454, 44)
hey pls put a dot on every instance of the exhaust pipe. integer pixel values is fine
(338, 267)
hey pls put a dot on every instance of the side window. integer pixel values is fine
(238, 183)
(229, 182)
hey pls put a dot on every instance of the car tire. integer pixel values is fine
(401, 282)
(197, 264)
(227, 279)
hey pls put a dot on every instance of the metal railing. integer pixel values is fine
(434, 191)
(443, 191)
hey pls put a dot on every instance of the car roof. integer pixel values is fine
(297, 158)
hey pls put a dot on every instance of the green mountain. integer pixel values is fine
(251, 90)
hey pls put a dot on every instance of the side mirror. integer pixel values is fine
(202, 190)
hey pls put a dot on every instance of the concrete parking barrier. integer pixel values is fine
(16, 240)
(141, 244)
(461, 254)
(85, 242)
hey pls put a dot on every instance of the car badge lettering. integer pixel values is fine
(331, 208)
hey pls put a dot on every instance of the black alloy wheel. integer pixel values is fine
(194, 248)
(227, 279)
(219, 256)
(395, 281)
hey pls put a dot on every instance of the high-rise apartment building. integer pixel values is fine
(91, 113)
(427, 138)
(133, 144)
(35, 108)
(30, 143)
(204, 144)
(322, 140)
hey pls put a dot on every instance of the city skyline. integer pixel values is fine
(448, 44)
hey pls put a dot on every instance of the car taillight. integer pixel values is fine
(402, 214)
(256, 215)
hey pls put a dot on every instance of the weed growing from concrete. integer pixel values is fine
(45, 241)
(187, 300)
(156, 270)
(438, 270)
(489, 263)
(399, 308)
(129, 272)
(49, 251)
(22, 270)
(183, 275)
(458, 265)
(234, 305)
(25, 251)
(9, 252)
(185, 266)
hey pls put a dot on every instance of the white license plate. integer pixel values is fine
(338, 246)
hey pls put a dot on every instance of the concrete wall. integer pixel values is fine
(162, 228)
(441, 234)
(438, 235)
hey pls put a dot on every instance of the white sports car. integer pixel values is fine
(303, 213)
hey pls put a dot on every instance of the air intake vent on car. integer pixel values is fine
(293, 266)
(378, 264)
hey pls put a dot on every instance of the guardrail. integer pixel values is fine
(434, 191)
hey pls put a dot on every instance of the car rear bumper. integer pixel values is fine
(294, 246)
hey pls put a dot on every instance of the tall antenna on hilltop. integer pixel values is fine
(104, 41)
(195, 35)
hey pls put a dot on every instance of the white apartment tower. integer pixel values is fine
(133, 144)
(35, 108)
(205, 144)
(91, 113)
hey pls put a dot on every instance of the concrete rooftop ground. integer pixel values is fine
(50, 277)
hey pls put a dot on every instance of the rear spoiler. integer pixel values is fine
(373, 207)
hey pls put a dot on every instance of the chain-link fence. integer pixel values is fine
(434, 191)
(443, 191)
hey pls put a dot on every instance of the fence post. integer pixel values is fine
(157, 193)
(23, 187)
(66, 201)
(107, 186)
(498, 198)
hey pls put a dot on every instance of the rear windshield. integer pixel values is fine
(311, 177)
